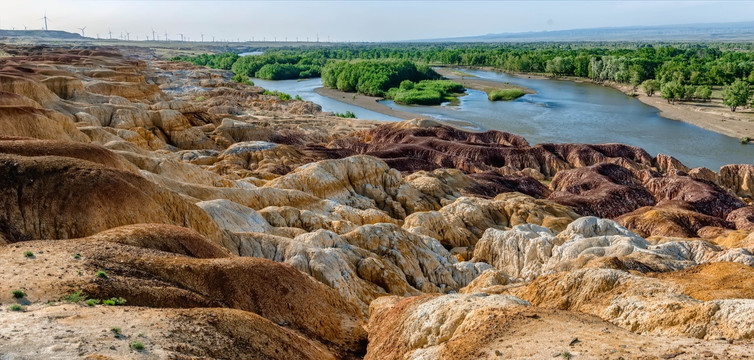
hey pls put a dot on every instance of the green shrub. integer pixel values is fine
(137, 345)
(18, 294)
(280, 95)
(77, 256)
(28, 254)
(347, 115)
(505, 94)
(116, 330)
(745, 140)
(114, 301)
(298, 97)
(425, 92)
(16, 307)
(242, 79)
(75, 297)
(92, 302)
(101, 274)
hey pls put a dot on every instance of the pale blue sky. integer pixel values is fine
(356, 20)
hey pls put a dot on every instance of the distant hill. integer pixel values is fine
(739, 31)
(41, 34)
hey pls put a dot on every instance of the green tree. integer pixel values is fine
(673, 91)
(703, 93)
(650, 86)
(737, 94)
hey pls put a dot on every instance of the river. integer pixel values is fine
(561, 111)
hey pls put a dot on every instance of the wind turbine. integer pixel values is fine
(110, 33)
(202, 37)
(181, 36)
(166, 36)
(24, 27)
(128, 36)
(213, 38)
(45, 19)
(153, 38)
(82, 30)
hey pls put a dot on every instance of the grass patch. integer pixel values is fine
(18, 294)
(505, 94)
(116, 330)
(137, 345)
(101, 274)
(281, 95)
(347, 115)
(16, 307)
(28, 254)
(200, 98)
(75, 297)
(92, 302)
(114, 301)
(425, 92)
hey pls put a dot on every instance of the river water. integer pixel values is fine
(562, 111)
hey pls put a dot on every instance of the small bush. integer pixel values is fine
(243, 79)
(566, 355)
(745, 140)
(137, 345)
(347, 115)
(16, 307)
(114, 301)
(505, 94)
(92, 302)
(298, 97)
(77, 256)
(18, 294)
(75, 297)
(101, 274)
(281, 95)
(116, 330)
(29, 254)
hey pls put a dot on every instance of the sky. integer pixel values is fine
(353, 20)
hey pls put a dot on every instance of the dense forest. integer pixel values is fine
(692, 68)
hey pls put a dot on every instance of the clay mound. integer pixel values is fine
(743, 218)
(705, 197)
(669, 218)
(145, 277)
(38, 123)
(165, 333)
(51, 197)
(481, 326)
(89, 152)
(168, 238)
(739, 178)
(723, 280)
(603, 190)
(490, 183)
(408, 131)
(641, 304)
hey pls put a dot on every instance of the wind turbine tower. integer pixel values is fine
(153, 38)
(128, 36)
(110, 33)
(45, 19)
(181, 36)
(202, 37)
(82, 30)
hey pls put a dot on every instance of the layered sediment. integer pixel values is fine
(221, 222)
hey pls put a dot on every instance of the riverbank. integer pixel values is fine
(712, 115)
(372, 103)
